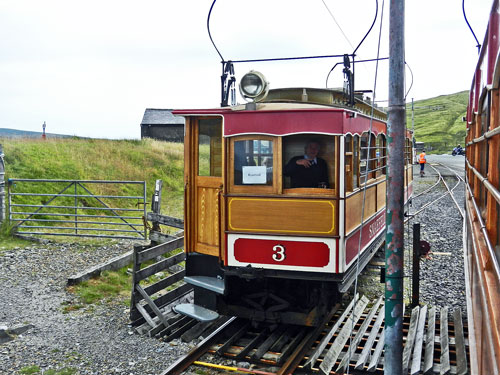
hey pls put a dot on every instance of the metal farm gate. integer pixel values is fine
(72, 208)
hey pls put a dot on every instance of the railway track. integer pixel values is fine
(350, 341)
(448, 191)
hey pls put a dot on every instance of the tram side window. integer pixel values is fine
(351, 162)
(367, 161)
(407, 151)
(309, 161)
(253, 162)
(355, 163)
(210, 147)
(348, 163)
(381, 155)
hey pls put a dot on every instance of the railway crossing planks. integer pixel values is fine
(432, 345)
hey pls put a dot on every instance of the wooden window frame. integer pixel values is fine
(314, 191)
(276, 187)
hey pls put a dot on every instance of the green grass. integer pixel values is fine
(111, 285)
(95, 159)
(438, 121)
(28, 370)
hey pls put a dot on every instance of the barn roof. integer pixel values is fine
(154, 116)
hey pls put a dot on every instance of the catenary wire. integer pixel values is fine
(334, 20)
(478, 45)
(369, 30)
(208, 28)
(411, 84)
(353, 62)
(366, 179)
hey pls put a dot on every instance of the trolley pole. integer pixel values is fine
(394, 251)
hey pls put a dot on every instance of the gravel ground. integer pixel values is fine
(442, 276)
(442, 280)
(98, 340)
(94, 340)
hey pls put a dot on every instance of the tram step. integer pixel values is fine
(197, 312)
(211, 283)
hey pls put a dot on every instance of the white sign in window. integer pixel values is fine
(254, 175)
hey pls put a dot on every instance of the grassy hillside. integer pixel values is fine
(438, 121)
(92, 159)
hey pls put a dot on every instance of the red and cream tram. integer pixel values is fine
(263, 243)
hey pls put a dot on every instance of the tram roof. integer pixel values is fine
(285, 118)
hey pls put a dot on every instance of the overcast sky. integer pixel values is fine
(91, 68)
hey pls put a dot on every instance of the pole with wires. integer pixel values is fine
(394, 252)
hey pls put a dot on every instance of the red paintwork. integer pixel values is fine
(290, 121)
(369, 232)
(486, 65)
(298, 253)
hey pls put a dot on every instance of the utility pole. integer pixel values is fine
(2, 186)
(394, 251)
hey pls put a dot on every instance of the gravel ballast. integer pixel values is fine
(35, 331)
(92, 340)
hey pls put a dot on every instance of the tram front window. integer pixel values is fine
(308, 161)
(253, 162)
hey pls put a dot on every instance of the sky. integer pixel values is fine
(91, 68)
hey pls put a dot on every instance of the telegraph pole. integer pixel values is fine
(394, 251)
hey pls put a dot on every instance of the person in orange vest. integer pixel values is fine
(422, 160)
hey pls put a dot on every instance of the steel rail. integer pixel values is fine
(76, 181)
(485, 136)
(78, 207)
(429, 188)
(82, 222)
(482, 226)
(449, 192)
(72, 215)
(75, 195)
(484, 180)
(185, 361)
(460, 179)
(79, 228)
(298, 355)
(82, 235)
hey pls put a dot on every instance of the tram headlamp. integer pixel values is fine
(254, 86)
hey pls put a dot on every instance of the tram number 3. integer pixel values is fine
(279, 253)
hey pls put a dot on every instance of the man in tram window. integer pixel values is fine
(308, 170)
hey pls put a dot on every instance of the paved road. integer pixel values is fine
(455, 162)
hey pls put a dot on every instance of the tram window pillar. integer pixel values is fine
(348, 162)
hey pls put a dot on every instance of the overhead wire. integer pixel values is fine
(334, 20)
(209, 33)
(411, 85)
(478, 45)
(360, 43)
(371, 27)
(367, 161)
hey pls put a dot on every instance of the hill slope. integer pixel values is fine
(438, 121)
(98, 159)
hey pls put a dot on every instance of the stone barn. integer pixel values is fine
(162, 124)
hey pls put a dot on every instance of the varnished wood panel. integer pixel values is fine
(381, 196)
(208, 219)
(353, 207)
(287, 216)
